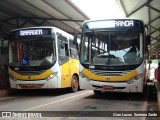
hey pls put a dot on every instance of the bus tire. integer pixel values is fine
(97, 92)
(74, 84)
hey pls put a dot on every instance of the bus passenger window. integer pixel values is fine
(74, 53)
(66, 50)
(132, 55)
(63, 49)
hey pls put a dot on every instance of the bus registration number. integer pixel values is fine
(108, 87)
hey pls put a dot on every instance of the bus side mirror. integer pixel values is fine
(75, 39)
(148, 39)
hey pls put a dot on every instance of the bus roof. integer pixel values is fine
(112, 19)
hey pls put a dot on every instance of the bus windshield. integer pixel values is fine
(32, 52)
(111, 48)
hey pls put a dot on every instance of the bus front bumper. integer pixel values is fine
(136, 86)
(34, 84)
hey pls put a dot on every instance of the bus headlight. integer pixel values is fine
(135, 79)
(13, 78)
(51, 76)
(84, 77)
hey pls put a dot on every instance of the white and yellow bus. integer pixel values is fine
(42, 57)
(112, 55)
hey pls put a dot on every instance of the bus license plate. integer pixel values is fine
(108, 87)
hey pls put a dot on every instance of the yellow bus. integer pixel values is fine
(112, 55)
(41, 58)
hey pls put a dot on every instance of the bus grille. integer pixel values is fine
(109, 73)
(29, 72)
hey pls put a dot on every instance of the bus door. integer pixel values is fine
(63, 54)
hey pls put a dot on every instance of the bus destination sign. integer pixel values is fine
(128, 23)
(110, 24)
(31, 32)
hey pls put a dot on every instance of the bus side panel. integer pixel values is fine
(66, 74)
(74, 66)
(67, 70)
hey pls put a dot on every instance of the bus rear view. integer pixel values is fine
(112, 55)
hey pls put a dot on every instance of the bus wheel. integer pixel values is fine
(74, 84)
(97, 92)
